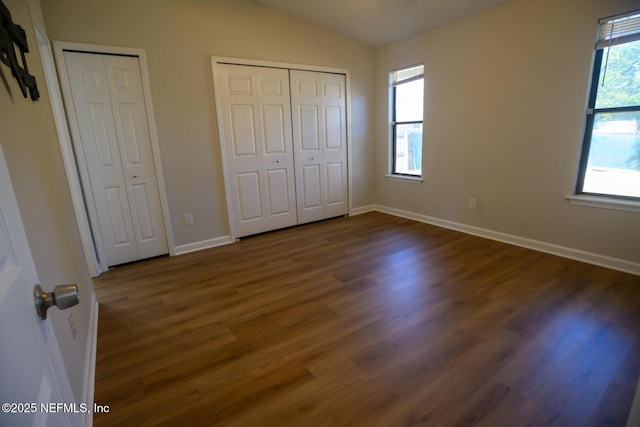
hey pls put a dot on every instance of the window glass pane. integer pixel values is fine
(409, 101)
(408, 152)
(619, 83)
(614, 156)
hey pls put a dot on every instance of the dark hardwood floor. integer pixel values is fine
(371, 320)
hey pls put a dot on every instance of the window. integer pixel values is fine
(406, 121)
(610, 161)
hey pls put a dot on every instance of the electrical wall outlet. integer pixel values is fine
(473, 203)
(188, 219)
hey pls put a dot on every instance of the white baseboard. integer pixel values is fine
(363, 209)
(89, 382)
(204, 244)
(563, 251)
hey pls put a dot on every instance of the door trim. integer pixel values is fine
(76, 165)
(215, 60)
(62, 128)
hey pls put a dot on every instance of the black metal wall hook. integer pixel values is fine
(13, 36)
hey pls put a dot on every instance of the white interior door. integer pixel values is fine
(256, 113)
(31, 371)
(115, 146)
(318, 103)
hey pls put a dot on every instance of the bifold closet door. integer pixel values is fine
(115, 143)
(256, 112)
(319, 138)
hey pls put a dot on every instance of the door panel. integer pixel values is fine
(333, 89)
(239, 84)
(335, 195)
(128, 134)
(117, 216)
(311, 190)
(277, 179)
(114, 138)
(101, 138)
(274, 129)
(333, 128)
(271, 86)
(243, 135)
(30, 361)
(141, 202)
(309, 130)
(249, 196)
(134, 142)
(320, 144)
(256, 112)
(307, 85)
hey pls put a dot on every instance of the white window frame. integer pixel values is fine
(398, 77)
(611, 31)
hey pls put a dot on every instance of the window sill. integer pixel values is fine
(605, 203)
(412, 179)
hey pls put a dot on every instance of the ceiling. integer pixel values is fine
(378, 22)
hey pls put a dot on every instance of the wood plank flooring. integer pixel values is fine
(370, 320)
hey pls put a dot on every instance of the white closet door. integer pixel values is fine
(134, 141)
(116, 143)
(320, 137)
(256, 114)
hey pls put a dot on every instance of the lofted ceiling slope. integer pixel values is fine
(378, 22)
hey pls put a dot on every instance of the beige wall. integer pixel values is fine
(179, 37)
(504, 111)
(29, 141)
